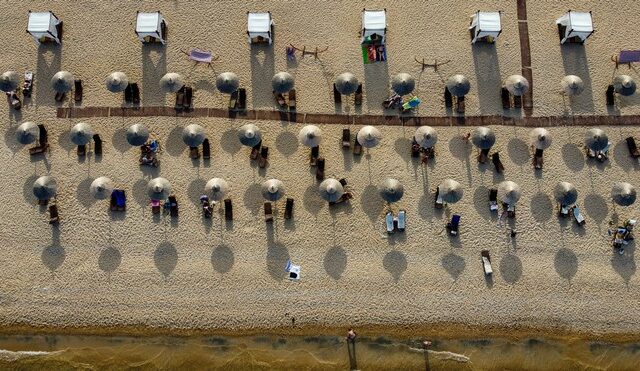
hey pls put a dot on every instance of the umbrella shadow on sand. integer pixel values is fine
(165, 258)
(575, 62)
(335, 262)
(566, 263)
(119, 140)
(511, 268)
(262, 71)
(488, 78)
(453, 264)
(573, 157)
(229, 142)
(625, 265)
(395, 263)
(83, 193)
(154, 66)
(49, 62)
(109, 260)
(372, 204)
(53, 255)
(277, 258)
(518, 151)
(222, 259)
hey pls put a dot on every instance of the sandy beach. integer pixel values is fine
(107, 270)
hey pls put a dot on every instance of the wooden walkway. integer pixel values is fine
(525, 54)
(339, 119)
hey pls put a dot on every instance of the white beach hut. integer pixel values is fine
(485, 26)
(260, 28)
(44, 27)
(151, 27)
(374, 26)
(575, 27)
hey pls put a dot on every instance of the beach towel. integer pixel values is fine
(154, 146)
(411, 103)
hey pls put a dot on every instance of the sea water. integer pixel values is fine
(67, 352)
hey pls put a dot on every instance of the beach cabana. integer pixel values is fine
(45, 27)
(260, 28)
(575, 27)
(151, 27)
(485, 27)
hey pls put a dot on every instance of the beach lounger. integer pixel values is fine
(506, 98)
(320, 168)
(82, 150)
(206, 149)
(517, 101)
(242, 99)
(282, 103)
(135, 93)
(255, 151)
(155, 206)
(118, 200)
(264, 153)
(460, 107)
(346, 138)
(293, 270)
(27, 87)
(173, 206)
(97, 145)
(292, 100)
(578, 215)
(344, 198)
(337, 97)
(128, 94)
(538, 159)
(43, 138)
(14, 100)
(511, 211)
(357, 147)
(188, 98)
(180, 99)
(343, 182)
(563, 210)
(54, 217)
(288, 209)
(448, 98)
(486, 262)
(38, 149)
(495, 158)
(194, 153)
(228, 209)
(315, 153)
(59, 97)
(268, 212)
(415, 149)
(233, 100)
(388, 220)
(77, 90)
(358, 96)
(610, 95)
(493, 199)
(483, 156)
(633, 148)
(439, 202)
(454, 225)
(401, 220)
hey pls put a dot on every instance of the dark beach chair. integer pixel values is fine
(357, 147)
(97, 145)
(315, 153)
(454, 225)
(206, 149)
(264, 154)
(54, 217)
(415, 149)
(578, 215)
(155, 206)
(82, 150)
(438, 203)
(135, 93)
(40, 148)
(337, 97)
(242, 99)
(233, 100)
(428, 153)
(268, 212)
(506, 99)
(448, 98)
(194, 153)
(401, 220)
(495, 158)
(633, 148)
(610, 95)
(511, 210)
(228, 209)
(344, 198)
(59, 97)
(43, 138)
(388, 222)
(343, 182)
(128, 94)
(346, 138)
(282, 103)
(27, 87)
(255, 151)
(292, 100)
(77, 90)
(358, 96)
(538, 159)
(320, 169)
(180, 99)
(486, 262)
(493, 199)
(173, 206)
(517, 101)
(188, 98)
(460, 105)
(118, 200)
(483, 156)
(288, 209)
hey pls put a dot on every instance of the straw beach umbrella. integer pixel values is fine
(310, 136)
(27, 132)
(369, 136)
(137, 135)
(426, 136)
(193, 135)
(117, 82)
(623, 194)
(451, 191)
(565, 193)
(62, 81)
(282, 82)
(217, 188)
(517, 85)
(227, 82)
(81, 134)
(272, 190)
(45, 188)
(483, 137)
(403, 83)
(331, 190)
(249, 135)
(9, 81)
(391, 190)
(101, 188)
(158, 188)
(458, 85)
(624, 85)
(540, 138)
(509, 192)
(171, 82)
(572, 85)
(346, 83)
(596, 139)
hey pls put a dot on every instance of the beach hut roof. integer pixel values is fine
(149, 24)
(43, 24)
(575, 24)
(374, 22)
(485, 24)
(259, 24)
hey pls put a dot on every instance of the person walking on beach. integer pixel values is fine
(351, 336)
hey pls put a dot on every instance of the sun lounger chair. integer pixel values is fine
(206, 149)
(118, 200)
(242, 99)
(486, 262)
(207, 210)
(43, 138)
(320, 168)
(344, 198)
(155, 206)
(135, 93)
(511, 211)
(288, 209)
(578, 215)
(337, 97)
(493, 199)
(604, 154)
(538, 159)
(54, 217)
(517, 101)
(343, 182)
(292, 100)
(448, 98)
(282, 103)
(346, 138)
(27, 87)
(188, 98)
(77, 90)
(38, 149)
(610, 95)
(315, 153)
(633, 148)
(454, 225)
(268, 212)
(59, 97)
(293, 270)
(255, 151)
(14, 100)
(358, 96)
(483, 156)
(506, 98)
(415, 149)
(264, 153)
(194, 153)
(388, 220)
(460, 107)
(82, 150)
(173, 206)
(439, 202)
(495, 158)
(401, 220)
(128, 94)
(563, 210)
(228, 209)
(97, 145)
(233, 100)
(180, 94)
(357, 147)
